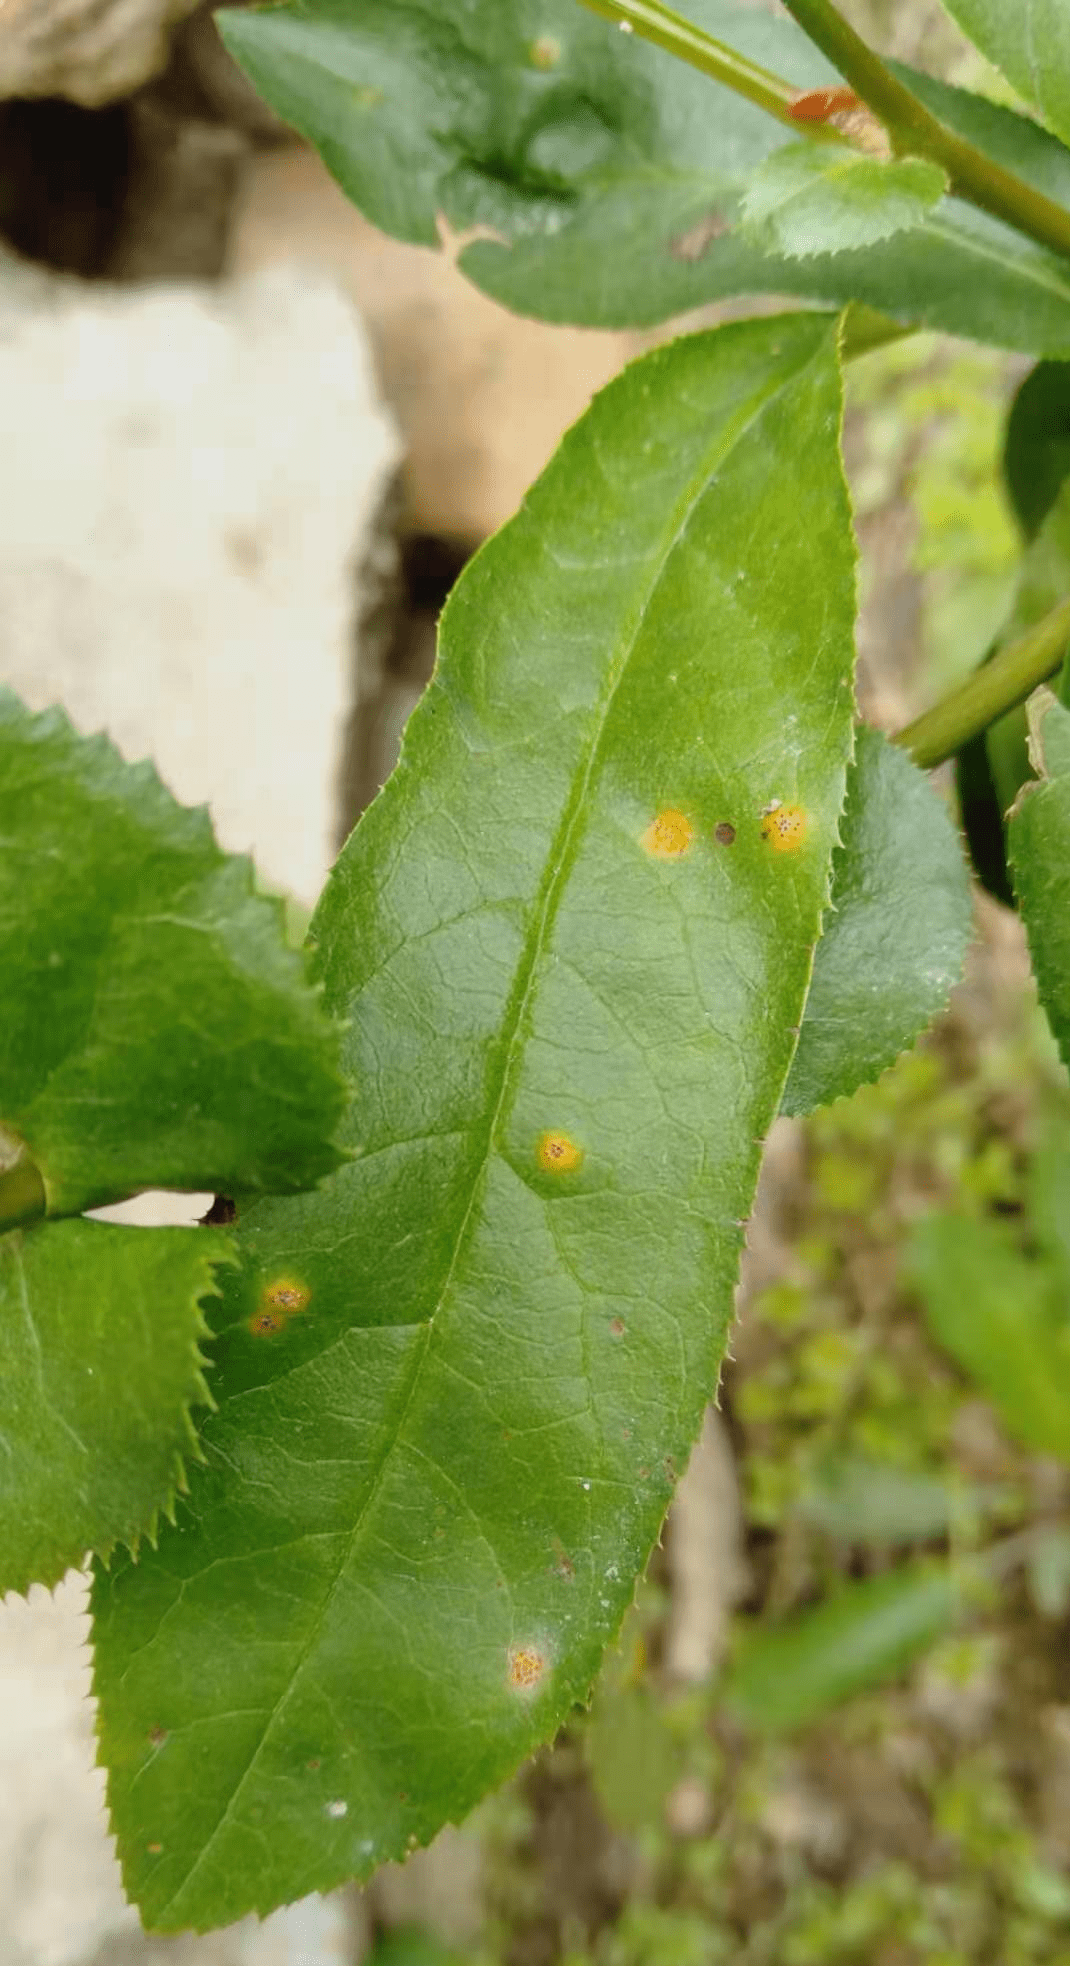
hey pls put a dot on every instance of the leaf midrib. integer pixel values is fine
(558, 865)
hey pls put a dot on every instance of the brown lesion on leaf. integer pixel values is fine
(784, 827)
(724, 833)
(558, 1154)
(545, 52)
(157, 1737)
(278, 1303)
(669, 835)
(691, 245)
(527, 1668)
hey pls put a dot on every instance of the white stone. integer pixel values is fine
(192, 478)
(89, 50)
(189, 477)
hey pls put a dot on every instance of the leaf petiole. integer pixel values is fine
(996, 687)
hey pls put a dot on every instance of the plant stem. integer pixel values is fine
(22, 1193)
(659, 24)
(915, 130)
(996, 687)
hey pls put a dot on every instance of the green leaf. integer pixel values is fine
(995, 1312)
(569, 942)
(1036, 451)
(865, 1634)
(1029, 41)
(861, 1500)
(100, 1362)
(813, 198)
(993, 767)
(1038, 833)
(895, 937)
(603, 178)
(157, 1032)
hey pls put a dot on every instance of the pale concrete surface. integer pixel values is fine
(482, 396)
(193, 479)
(189, 477)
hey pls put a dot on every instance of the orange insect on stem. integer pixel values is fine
(820, 105)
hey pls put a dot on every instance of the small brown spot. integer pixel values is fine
(670, 1467)
(157, 1737)
(669, 835)
(287, 1296)
(724, 834)
(617, 1328)
(562, 1563)
(264, 1323)
(784, 828)
(558, 1155)
(691, 245)
(313, 1762)
(527, 1668)
(154, 1850)
(243, 549)
(403, 1796)
(545, 52)
(644, 1475)
(279, 1302)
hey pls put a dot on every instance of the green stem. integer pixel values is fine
(22, 1193)
(760, 86)
(996, 687)
(915, 130)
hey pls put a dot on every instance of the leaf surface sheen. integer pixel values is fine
(603, 178)
(809, 199)
(569, 952)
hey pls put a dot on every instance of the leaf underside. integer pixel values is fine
(100, 1363)
(156, 1030)
(1029, 40)
(570, 943)
(609, 175)
(895, 937)
(809, 198)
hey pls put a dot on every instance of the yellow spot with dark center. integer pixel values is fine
(545, 52)
(279, 1302)
(527, 1668)
(558, 1155)
(784, 828)
(669, 835)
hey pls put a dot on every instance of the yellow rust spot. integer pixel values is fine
(669, 835)
(558, 1155)
(154, 1850)
(279, 1302)
(784, 828)
(527, 1668)
(545, 52)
